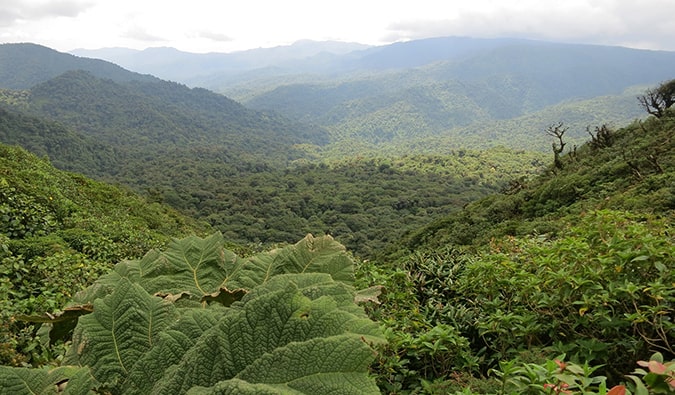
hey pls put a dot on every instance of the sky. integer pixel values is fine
(226, 26)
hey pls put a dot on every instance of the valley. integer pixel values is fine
(419, 171)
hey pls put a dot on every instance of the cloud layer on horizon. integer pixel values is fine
(203, 25)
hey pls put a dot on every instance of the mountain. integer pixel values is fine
(175, 65)
(139, 113)
(489, 82)
(25, 65)
(67, 149)
(458, 91)
(109, 109)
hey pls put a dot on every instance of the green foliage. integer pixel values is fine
(634, 173)
(659, 378)
(59, 232)
(600, 291)
(66, 380)
(196, 318)
(364, 203)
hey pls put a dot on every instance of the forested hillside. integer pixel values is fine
(67, 150)
(561, 281)
(365, 203)
(461, 90)
(427, 95)
(257, 177)
(58, 232)
(25, 65)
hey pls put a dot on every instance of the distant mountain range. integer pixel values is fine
(447, 88)
(175, 65)
(93, 116)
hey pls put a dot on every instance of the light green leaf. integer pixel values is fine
(640, 388)
(322, 365)
(318, 255)
(193, 265)
(370, 294)
(170, 347)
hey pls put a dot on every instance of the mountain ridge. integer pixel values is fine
(28, 64)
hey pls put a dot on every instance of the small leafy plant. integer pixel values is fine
(198, 319)
(659, 378)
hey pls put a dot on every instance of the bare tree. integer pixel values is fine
(657, 100)
(602, 138)
(557, 131)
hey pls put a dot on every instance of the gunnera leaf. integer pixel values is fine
(324, 365)
(62, 380)
(309, 255)
(195, 270)
(318, 255)
(193, 265)
(105, 284)
(267, 324)
(170, 347)
(123, 327)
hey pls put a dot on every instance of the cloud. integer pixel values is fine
(7, 16)
(140, 33)
(620, 22)
(213, 36)
(13, 11)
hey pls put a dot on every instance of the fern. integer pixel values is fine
(198, 319)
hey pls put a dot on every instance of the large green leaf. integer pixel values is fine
(318, 366)
(286, 322)
(193, 265)
(269, 324)
(172, 344)
(63, 380)
(123, 327)
(333, 365)
(317, 255)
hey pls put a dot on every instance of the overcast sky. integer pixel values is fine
(225, 25)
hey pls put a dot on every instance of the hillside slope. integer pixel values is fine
(476, 85)
(634, 170)
(165, 113)
(67, 149)
(25, 65)
(58, 232)
(563, 280)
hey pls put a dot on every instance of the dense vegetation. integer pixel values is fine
(576, 265)
(560, 283)
(252, 191)
(59, 232)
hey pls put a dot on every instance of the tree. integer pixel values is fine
(656, 101)
(557, 131)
